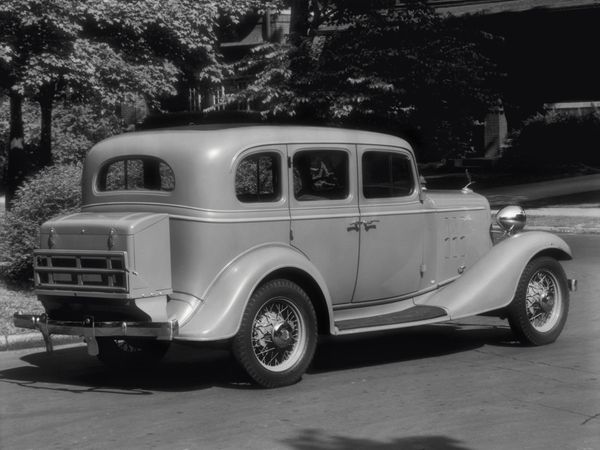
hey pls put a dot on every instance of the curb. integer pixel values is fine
(33, 340)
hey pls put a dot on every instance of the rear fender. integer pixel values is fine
(491, 283)
(223, 303)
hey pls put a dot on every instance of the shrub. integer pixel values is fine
(51, 192)
(556, 141)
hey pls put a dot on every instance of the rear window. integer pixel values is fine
(136, 174)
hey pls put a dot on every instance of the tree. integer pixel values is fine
(106, 51)
(378, 66)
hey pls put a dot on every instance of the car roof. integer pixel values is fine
(248, 135)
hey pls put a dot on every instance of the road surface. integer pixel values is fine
(459, 386)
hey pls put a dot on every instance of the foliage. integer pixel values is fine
(76, 129)
(555, 141)
(111, 49)
(392, 68)
(53, 191)
(108, 52)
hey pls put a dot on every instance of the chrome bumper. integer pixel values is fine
(91, 330)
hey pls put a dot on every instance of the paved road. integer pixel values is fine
(460, 386)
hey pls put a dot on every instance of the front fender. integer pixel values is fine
(491, 283)
(225, 300)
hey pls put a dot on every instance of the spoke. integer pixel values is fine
(272, 359)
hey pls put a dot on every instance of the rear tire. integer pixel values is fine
(540, 307)
(278, 334)
(131, 353)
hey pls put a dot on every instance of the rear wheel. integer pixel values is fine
(539, 310)
(131, 352)
(278, 334)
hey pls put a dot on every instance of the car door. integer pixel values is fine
(393, 225)
(324, 212)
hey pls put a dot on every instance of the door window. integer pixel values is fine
(386, 174)
(321, 175)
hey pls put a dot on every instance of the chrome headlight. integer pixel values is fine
(511, 219)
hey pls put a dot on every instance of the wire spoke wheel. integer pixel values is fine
(278, 334)
(539, 309)
(543, 300)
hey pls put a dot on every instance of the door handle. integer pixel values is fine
(354, 225)
(370, 224)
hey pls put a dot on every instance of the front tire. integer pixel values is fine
(278, 334)
(540, 307)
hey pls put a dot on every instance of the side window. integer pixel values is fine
(321, 175)
(257, 178)
(386, 174)
(136, 174)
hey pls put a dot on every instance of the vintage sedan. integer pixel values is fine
(265, 237)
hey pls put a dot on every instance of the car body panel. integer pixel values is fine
(220, 313)
(490, 284)
(389, 265)
(330, 220)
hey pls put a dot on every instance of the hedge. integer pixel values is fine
(54, 191)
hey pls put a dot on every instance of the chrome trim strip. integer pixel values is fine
(190, 208)
(284, 208)
(207, 220)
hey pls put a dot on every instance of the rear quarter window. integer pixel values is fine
(257, 178)
(136, 174)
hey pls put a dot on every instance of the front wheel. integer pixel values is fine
(539, 309)
(278, 334)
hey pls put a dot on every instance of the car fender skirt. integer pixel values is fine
(490, 284)
(223, 303)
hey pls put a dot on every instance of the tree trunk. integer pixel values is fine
(45, 151)
(299, 21)
(17, 157)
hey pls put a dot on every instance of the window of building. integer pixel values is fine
(257, 178)
(321, 175)
(141, 173)
(386, 174)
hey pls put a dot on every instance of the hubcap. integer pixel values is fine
(543, 301)
(278, 336)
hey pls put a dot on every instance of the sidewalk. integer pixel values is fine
(570, 205)
(564, 191)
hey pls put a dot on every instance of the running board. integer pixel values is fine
(417, 313)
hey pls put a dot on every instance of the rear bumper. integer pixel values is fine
(90, 329)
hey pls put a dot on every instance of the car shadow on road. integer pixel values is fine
(314, 439)
(354, 351)
(188, 368)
